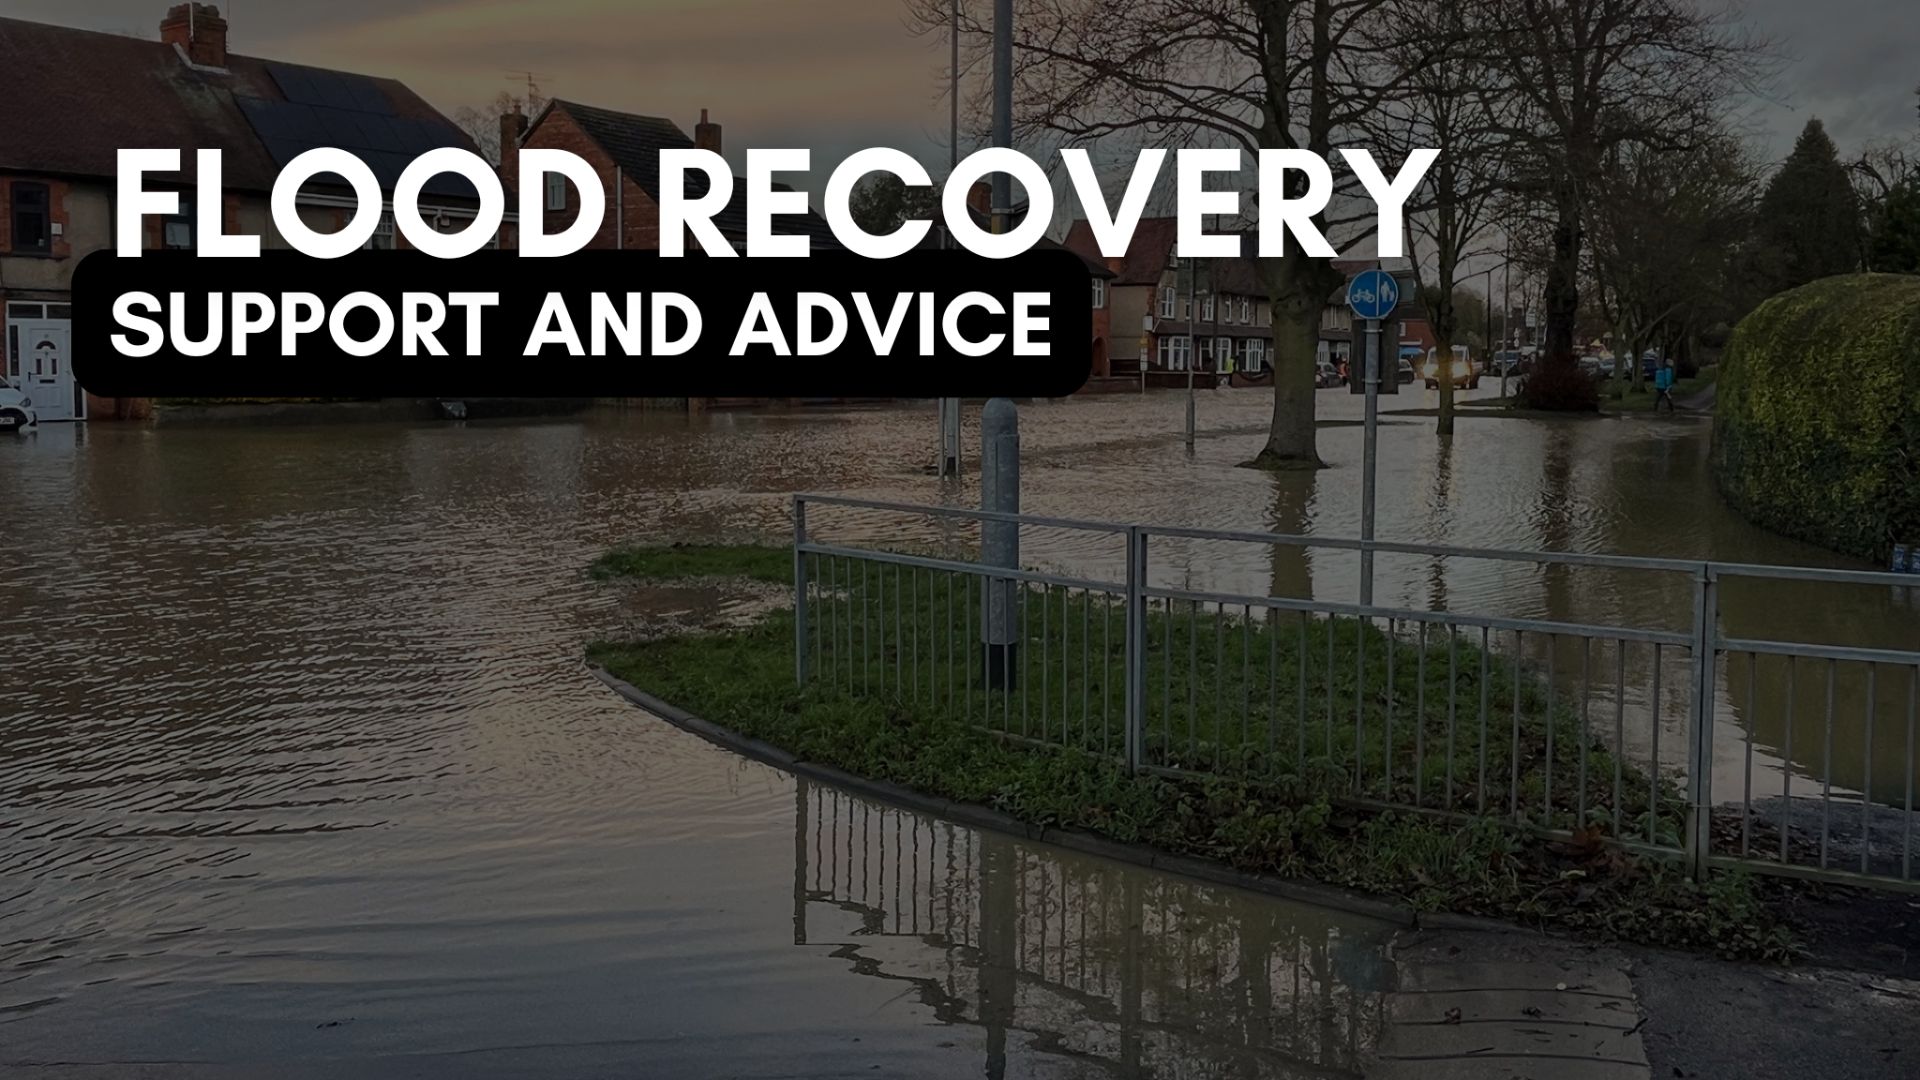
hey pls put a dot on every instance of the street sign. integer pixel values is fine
(1373, 294)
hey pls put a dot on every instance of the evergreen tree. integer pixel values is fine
(1896, 229)
(884, 201)
(1809, 225)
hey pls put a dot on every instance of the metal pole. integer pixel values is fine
(1002, 108)
(799, 591)
(1193, 274)
(1369, 467)
(1706, 641)
(953, 91)
(1000, 540)
(1506, 314)
(1136, 645)
(1489, 295)
(949, 437)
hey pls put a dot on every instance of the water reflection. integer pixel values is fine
(293, 727)
(1050, 954)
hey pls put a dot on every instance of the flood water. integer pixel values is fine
(301, 773)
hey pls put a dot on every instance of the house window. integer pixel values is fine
(1223, 347)
(1099, 293)
(32, 219)
(1168, 298)
(556, 191)
(176, 232)
(1246, 311)
(1206, 309)
(382, 238)
(1256, 355)
(1173, 353)
(1186, 310)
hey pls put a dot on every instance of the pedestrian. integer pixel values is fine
(1663, 386)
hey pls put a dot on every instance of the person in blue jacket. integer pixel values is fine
(1663, 386)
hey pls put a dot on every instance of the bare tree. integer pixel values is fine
(1452, 101)
(1250, 74)
(1598, 74)
(1665, 233)
(483, 125)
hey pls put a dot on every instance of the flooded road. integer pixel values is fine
(300, 773)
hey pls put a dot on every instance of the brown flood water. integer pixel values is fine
(300, 773)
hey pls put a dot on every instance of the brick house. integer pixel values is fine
(1156, 300)
(71, 99)
(624, 150)
(1102, 377)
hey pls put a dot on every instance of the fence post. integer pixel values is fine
(1000, 542)
(1706, 637)
(799, 591)
(1136, 635)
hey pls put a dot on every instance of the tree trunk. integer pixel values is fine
(1562, 299)
(1297, 289)
(1445, 322)
(1622, 348)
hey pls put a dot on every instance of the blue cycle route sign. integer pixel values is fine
(1373, 294)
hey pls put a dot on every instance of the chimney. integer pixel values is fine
(513, 128)
(197, 30)
(980, 198)
(706, 135)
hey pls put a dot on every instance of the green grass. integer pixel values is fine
(682, 561)
(1631, 401)
(1644, 399)
(1255, 763)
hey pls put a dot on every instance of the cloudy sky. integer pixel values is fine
(832, 74)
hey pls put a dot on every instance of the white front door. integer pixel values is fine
(46, 369)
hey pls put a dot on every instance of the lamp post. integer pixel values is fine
(1193, 275)
(1496, 353)
(1146, 346)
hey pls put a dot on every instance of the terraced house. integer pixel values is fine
(1156, 300)
(624, 150)
(71, 99)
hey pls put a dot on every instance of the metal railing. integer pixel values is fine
(1660, 738)
(1142, 974)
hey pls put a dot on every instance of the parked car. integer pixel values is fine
(1406, 371)
(1510, 363)
(1597, 368)
(16, 410)
(1463, 372)
(1649, 363)
(1325, 374)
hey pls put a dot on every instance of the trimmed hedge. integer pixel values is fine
(1817, 425)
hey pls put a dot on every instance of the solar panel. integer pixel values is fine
(294, 82)
(388, 144)
(330, 89)
(368, 97)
